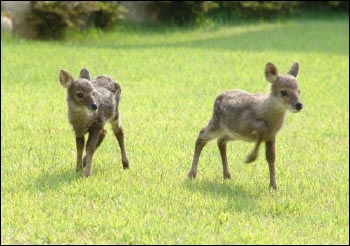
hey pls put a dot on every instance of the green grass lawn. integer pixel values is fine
(169, 81)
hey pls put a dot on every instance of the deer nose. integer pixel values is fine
(93, 106)
(298, 106)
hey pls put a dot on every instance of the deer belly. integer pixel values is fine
(251, 137)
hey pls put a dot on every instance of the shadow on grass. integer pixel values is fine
(238, 198)
(285, 38)
(53, 180)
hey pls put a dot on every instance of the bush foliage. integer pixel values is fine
(182, 12)
(270, 9)
(51, 18)
(254, 9)
(189, 12)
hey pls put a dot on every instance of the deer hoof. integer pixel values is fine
(78, 169)
(273, 187)
(87, 172)
(125, 164)
(192, 175)
(227, 176)
(250, 158)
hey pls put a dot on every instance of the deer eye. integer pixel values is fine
(94, 93)
(80, 95)
(283, 93)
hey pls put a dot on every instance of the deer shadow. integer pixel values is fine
(53, 180)
(238, 198)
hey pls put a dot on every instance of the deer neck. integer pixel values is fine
(272, 112)
(81, 118)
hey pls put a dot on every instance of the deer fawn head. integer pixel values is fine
(80, 91)
(285, 88)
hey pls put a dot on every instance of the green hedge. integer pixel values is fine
(189, 12)
(51, 18)
(270, 9)
(182, 12)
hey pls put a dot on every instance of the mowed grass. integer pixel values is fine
(169, 81)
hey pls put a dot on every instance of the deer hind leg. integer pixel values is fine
(205, 135)
(101, 136)
(222, 141)
(119, 134)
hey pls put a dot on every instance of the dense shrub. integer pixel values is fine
(181, 12)
(324, 6)
(106, 14)
(51, 18)
(189, 12)
(269, 9)
(254, 9)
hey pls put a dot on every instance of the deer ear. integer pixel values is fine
(84, 74)
(271, 73)
(294, 69)
(65, 78)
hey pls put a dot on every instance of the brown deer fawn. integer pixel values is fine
(91, 103)
(239, 115)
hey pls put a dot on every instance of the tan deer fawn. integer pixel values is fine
(239, 115)
(91, 103)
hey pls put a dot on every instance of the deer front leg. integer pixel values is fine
(80, 141)
(270, 157)
(260, 128)
(91, 146)
(222, 148)
(254, 154)
(101, 136)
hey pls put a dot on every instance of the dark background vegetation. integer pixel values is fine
(52, 18)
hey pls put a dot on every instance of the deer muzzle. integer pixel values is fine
(93, 106)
